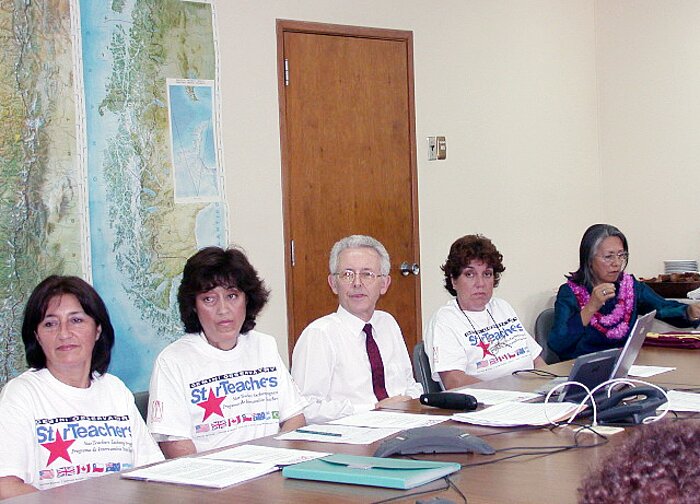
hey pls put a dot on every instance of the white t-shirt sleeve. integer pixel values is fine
(448, 352)
(17, 454)
(313, 361)
(291, 402)
(145, 448)
(170, 415)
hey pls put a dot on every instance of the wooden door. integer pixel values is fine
(348, 161)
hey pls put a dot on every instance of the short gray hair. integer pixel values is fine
(359, 241)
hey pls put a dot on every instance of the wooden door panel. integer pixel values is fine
(349, 165)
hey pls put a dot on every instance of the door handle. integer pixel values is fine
(407, 268)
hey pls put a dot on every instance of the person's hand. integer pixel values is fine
(390, 400)
(600, 294)
(694, 312)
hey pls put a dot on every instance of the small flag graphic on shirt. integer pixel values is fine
(46, 474)
(65, 471)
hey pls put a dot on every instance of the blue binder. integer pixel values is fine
(371, 471)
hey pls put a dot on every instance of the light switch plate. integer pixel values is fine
(432, 149)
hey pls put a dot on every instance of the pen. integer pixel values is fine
(320, 433)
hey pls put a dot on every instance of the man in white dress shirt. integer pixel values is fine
(355, 359)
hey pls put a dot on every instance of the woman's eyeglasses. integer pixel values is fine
(622, 257)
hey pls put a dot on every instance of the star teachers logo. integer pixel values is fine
(212, 405)
(484, 348)
(58, 448)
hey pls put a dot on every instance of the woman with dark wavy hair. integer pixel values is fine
(223, 382)
(476, 336)
(658, 464)
(598, 305)
(57, 412)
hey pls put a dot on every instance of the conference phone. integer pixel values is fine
(435, 439)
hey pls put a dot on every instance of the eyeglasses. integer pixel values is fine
(367, 277)
(623, 257)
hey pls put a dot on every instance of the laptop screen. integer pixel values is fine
(596, 368)
(633, 345)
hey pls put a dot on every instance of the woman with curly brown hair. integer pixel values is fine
(657, 464)
(476, 336)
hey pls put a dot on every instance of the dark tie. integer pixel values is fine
(375, 362)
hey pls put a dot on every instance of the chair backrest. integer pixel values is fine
(543, 325)
(141, 399)
(421, 369)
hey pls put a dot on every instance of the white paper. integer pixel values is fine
(339, 434)
(266, 455)
(647, 371)
(390, 419)
(489, 397)
(683, 401)
(200, 471)
(511, 414)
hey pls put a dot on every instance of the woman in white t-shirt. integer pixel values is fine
(66, 419)
(476, 336)
(222, 382)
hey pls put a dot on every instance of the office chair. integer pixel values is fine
(543, 325)
(421, 369)
(142, 403)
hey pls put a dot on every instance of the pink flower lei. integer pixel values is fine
(616, 324)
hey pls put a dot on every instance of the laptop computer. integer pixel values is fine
(633, 345)
(596, 368)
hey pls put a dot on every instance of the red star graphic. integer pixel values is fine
(485, 348)
(212, 405)
(58, 448)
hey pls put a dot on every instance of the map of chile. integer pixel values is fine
(210, 400)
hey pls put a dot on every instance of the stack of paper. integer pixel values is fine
(683, 401)
(488, 397)
(390, 420)
(343, 434)
(363, 428)
(512, 414)
(201, 472)
(265, 455)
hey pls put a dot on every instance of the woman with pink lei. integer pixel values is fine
(598, 305)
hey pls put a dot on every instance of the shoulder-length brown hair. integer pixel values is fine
(214, 267)
(92, 305)
(466, 249)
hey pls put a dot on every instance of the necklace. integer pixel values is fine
(614, 325)
(484, 344)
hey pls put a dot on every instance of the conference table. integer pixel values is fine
(532, 478)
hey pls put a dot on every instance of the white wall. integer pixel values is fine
(513, 86)
(648, 58)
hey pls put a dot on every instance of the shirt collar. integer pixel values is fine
(355, 324)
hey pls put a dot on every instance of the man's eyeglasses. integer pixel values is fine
(367, 277)
(623, 257)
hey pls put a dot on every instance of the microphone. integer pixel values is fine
(449, 400)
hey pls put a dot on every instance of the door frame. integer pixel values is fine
(286, 26)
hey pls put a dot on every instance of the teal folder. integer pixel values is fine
(371, 471)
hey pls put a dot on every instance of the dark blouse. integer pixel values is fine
(569, 338)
